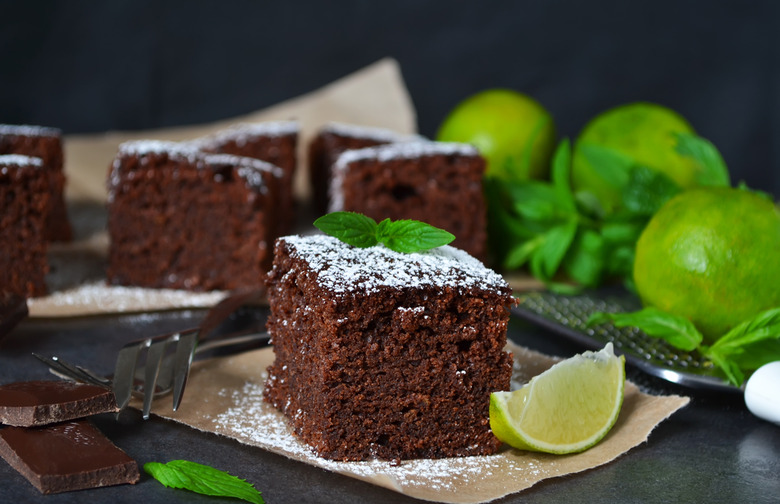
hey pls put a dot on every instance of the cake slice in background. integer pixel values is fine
(46, 144)
(182, 219)
(25, 204)
(436, 182)
(335, 138)
(274, 142)
(383, 354)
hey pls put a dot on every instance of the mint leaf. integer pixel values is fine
(409, 236)
(611, 165)
(762, 328)
(584, 261)
(677, 331)
(561, 165)
(548, 256)
(202, 479)
(647, 190)
(712, 168)
(352, 228)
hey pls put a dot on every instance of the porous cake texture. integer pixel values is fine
(274, 142)
(25, 202)
(182, 219)
(436, 182)
(333, 139)
(382, 354)
(46, 144)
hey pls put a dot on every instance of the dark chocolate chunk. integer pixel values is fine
(34, 403)
(13, 309)
(66, 456)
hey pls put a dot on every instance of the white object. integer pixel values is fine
(762, 392)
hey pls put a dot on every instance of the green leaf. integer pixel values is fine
(584, 262)
(202, 479)
(762, 327)
(409, 236)
(617, 231)
(538, 201)
(350, 227)
(561, 167)
(730, 368)
(647, 190)
(677, 331)
(611, 165)
(548, 256)
(520, 253)
(712, 169)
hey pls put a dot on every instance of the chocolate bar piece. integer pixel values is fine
(32, 403)
(13, 309)
(66, 456)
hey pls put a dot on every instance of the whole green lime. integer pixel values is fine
(711, 255)
(644, 132)
(514, 133)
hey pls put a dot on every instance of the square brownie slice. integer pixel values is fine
(25, 204)
(274, 142)
(182, 219)
(388, 355)
(46, 144)
(333, 139)
(436, 182)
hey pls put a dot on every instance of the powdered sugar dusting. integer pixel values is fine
(29, 130)
(404, 150)
(20, 160)
(343, 268)
(255, 422)
(242, 133)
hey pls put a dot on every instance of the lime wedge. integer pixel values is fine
(566, 409)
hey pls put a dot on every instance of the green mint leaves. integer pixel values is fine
(558, 233)
(202, 479)
(745, 348)
(404, 235)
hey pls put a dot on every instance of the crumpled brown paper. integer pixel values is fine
(373, 96)
(224, 396)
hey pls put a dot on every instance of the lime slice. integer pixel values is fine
(567, 409)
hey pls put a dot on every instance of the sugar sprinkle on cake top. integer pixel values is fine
(28, 130)
(405, 150)
(20, 160)
(344, 268)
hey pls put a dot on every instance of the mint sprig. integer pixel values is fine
(404, 235)
(202, 479)
(553, 230)
(743, 349)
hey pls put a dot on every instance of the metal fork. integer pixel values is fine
(163, 370)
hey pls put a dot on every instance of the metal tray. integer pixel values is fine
(567, 316)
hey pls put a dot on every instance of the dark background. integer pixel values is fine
(88, 66)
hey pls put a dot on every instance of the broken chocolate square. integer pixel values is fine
(34, 403)
(66, 456)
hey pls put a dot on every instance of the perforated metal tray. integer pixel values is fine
(567, 316)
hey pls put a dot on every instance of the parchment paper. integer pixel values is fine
(373, 96)
(224, 396)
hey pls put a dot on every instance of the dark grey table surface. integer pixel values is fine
(713, 450)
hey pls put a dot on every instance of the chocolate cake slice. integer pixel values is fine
(335, 138)
(382, 354)
(436, 182)
(274, 142)
(46, 144)
(182, 219)
(25, 202)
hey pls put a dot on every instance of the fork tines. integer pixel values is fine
(158, 371)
